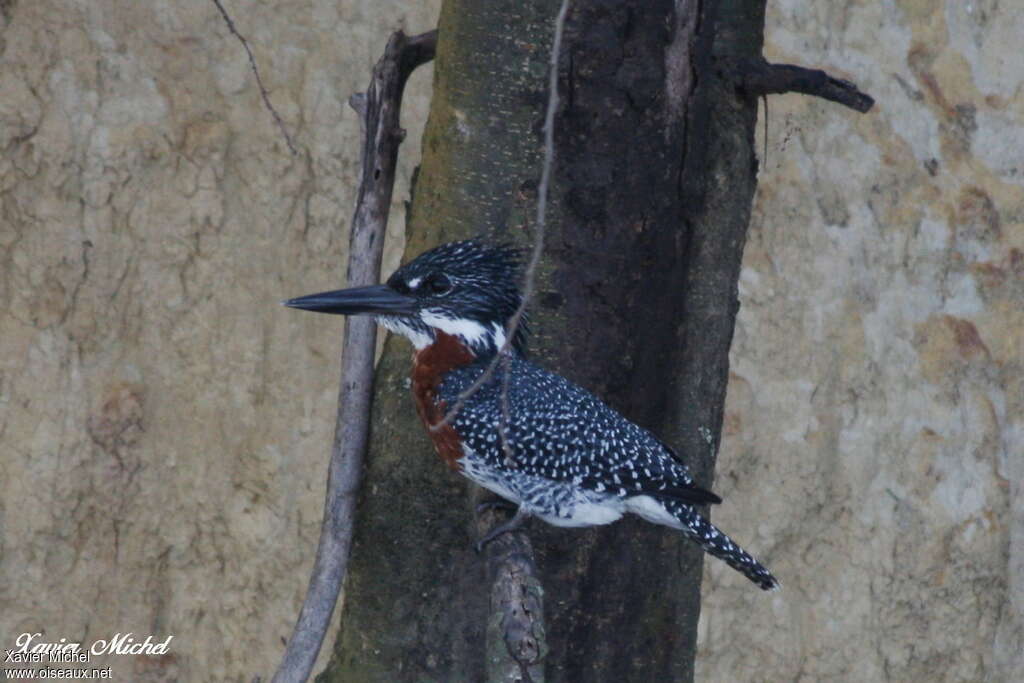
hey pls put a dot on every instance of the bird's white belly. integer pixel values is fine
(557, 503)
(651, 510)
(470, 468)
(585, 513)
(494, 487)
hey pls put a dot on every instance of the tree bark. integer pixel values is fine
(654, 178)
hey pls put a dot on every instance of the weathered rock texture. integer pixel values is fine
(165, 424)
(873, 437)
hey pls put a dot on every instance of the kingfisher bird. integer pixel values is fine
(565, 456)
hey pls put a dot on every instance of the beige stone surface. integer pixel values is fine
(164, 423)
(874, 430)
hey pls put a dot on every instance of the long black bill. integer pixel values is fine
(379, 299)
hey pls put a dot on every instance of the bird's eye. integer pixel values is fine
(437, 284)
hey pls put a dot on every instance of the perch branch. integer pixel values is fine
(759, 77)
(516, 641)
(379, 111)
(256, 72)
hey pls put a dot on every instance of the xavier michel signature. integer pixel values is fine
(29, 648)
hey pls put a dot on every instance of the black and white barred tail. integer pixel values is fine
(716, 543)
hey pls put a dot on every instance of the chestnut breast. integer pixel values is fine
(429, 367)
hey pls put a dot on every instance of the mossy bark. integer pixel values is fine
(654, 177)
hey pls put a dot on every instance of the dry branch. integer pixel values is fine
(379, 112)
(759, 77)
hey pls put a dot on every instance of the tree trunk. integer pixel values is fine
(651, 193)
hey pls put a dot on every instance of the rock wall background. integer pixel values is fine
(164, 424)
(874, 432)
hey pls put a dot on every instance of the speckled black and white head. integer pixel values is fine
(466, 289)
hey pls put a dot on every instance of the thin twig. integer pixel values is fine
(379, 111)
(764, 98)
(506, 413)
(538, 243)
(259, 81)
(759, 77)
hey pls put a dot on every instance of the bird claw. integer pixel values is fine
(511, 525)
(490, 536)
(495, 504)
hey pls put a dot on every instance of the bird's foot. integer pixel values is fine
(494, 504)
(511, 525)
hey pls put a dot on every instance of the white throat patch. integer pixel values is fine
(471, 332)
(420, 340)
(499, 335)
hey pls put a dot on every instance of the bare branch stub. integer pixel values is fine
(379, 155)
(759, 77)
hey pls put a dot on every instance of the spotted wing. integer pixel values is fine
(562, 432)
